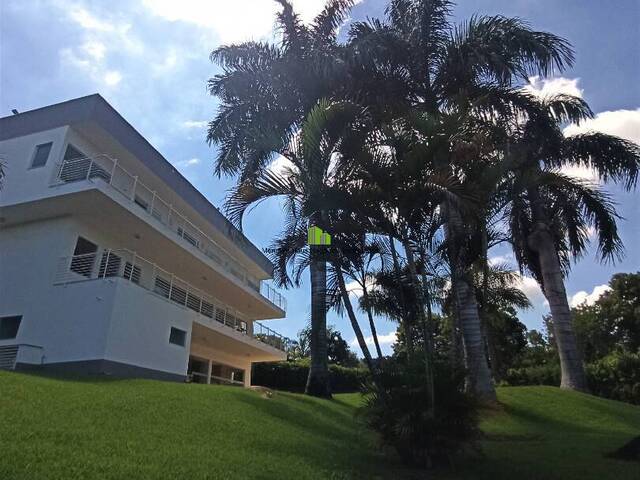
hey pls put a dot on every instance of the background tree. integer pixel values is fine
(417, 61)
(613, 321)
(550, 213)
(339, 352)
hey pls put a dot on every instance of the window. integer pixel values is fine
(41, 155)
(178, 337)
(9, 327)
(84, 256)
(72, 153)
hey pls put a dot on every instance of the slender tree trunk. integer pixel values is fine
(354, 321)
(406, 323)
(467, 307)
(426, 329)
(541, 241)
(318, 379)
(573, 375)
(372, 325)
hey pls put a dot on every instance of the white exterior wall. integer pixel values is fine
(52, 317)
(22, 183)
(139, 330)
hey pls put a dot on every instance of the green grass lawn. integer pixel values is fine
(68, 429)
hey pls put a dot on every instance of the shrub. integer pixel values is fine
(545, 374)
(398, 409)
(616, 376)
(292, 376)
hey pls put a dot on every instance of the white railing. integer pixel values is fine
(148, 275)
(102, 167)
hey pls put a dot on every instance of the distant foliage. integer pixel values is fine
(545, 374)
(616, 376)
(399, 412)
(292, 376)
(338, 351)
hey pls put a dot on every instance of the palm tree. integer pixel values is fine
(550, 213)
(417, 61)
(266, 92)
(310, 192)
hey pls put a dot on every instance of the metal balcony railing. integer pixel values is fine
(102, 167)
(146, 274)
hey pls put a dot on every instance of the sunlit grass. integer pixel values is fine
(68, 429)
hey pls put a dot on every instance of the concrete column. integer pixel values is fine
(247, 375)
(209, 372)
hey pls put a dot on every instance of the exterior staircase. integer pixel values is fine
(8, 354)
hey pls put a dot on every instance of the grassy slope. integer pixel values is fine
(67, 429)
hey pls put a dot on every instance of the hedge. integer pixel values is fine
(616, 376)
(292, 376)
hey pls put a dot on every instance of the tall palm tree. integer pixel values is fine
(550, 213)
(266, 91)
(310, 192)
(418, 61)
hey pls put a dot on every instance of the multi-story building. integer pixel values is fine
(111, 262)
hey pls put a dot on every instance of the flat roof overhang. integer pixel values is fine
(231, 344)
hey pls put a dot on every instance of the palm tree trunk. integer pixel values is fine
(541, 242)
(372, 325)
(354, 321)
(572, 369)
(469, 317)
(318, 379)
(426, 329)
(406, 322)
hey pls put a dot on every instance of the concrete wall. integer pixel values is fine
(22, 183)
(139, 330)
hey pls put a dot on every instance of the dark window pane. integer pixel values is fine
(84, 246)
(9, 327)
(84, 256)
(177, 336)
(41, 156)
(73, 152)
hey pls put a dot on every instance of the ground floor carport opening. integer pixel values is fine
(202, 370)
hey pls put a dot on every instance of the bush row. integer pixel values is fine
(292, 376)
(616, 376)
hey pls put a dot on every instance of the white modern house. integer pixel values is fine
(111, 262)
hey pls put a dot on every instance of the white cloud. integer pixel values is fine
(95, 49)
(550, 86)
(232, 20)
(583, 297)
(187, 163)
(281, 165)
(532, 290)
(88, 21)
(195, 123)
(501, 259)
(355, 290)
(622, 123)
(388, 339)
(112, 78)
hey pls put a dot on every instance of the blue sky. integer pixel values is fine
(149, 59)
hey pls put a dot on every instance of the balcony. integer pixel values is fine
(146, 274)
(104, 168)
